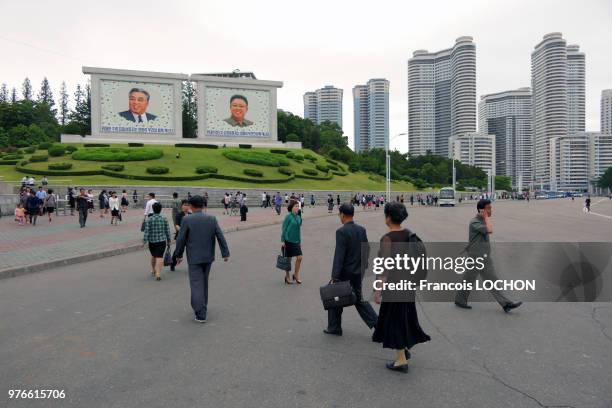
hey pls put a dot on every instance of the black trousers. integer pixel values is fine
(365, 310)
(198, 281)
(82, 216)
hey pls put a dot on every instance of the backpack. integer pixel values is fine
(416, 250)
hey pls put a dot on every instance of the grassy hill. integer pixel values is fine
(230, 173)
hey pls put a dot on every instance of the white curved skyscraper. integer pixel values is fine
(441, 96)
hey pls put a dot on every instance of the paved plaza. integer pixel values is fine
(110, 336)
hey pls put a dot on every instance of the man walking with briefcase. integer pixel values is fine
(348, 267)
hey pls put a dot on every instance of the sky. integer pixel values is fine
(306, 45)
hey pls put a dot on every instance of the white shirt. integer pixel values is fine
(149, 207)
(113, 203)
(143, 116)
(263, 197)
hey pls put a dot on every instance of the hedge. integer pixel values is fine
(286, 170)
(245, 146)
(339, 173)
(305, 176)
(39, 158)
(118, 154)
(158, 170)
(60, 166)
(8, 162)
(30, 150)
(255, 157)
(133, 144)
(310, 157)
(298, 157)
(322, 168)
(202, 146)
(279, 151)
(253, 172)
(331, 161)
(311, 172)
(113, 167)
(290, 155)
(44, 145)
(332, 166)
(96, 145)
(12, 156)
(71, 149)
(22, 169)
(206, 169)
(57, 150)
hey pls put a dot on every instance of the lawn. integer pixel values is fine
(190, 158)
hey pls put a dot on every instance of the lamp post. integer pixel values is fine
(388, 165)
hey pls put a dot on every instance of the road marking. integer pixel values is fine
(601, 215)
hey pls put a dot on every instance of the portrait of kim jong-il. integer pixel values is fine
(239, 106)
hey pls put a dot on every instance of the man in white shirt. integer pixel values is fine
(263, 199)
(149, 206)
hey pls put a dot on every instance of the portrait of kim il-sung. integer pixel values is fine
(239, 106)
(138, 102)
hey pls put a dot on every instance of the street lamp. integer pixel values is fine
(388, 164)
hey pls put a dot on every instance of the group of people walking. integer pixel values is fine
(34, 203)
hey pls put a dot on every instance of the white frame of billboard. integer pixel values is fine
(203, 81)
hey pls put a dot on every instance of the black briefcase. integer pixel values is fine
(337, 294)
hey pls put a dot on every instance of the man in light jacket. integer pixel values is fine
(198, 233)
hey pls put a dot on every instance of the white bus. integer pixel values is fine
(446, 196)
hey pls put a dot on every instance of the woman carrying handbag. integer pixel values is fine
(291, 242)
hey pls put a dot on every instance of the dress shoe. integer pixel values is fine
(512, 305)
(401, 368)
(200, 319)
(334, 332)
(463, 305)
(407, 353)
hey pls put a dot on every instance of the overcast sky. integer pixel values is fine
(304, 44)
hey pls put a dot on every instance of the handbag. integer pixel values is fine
(142, 226)
(282, 262)
(337, 294)
(167, 257)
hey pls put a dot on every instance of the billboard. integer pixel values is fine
(237, 112)
(136, 107)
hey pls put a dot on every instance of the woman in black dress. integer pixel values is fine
(398, 323)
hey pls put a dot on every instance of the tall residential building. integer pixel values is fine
(606, 111)
(507, 116)
(310, 106)
(557, 79)
(371, 114)
(475, 149)
(324, 104)
(600, 156)
(441, 96)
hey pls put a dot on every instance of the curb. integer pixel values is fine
(24, 270)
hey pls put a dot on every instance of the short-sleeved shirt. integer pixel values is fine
(156, 229)
(479, 237)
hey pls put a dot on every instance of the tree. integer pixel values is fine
(190, 111)
(63, 104)
(80, 117)
(4, 95)
(605, 181)
(503, 183)
(13, 95)
(26, 89)
(45, 95)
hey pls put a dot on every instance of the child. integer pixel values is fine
(20, 214)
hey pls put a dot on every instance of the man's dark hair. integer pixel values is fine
(347, 209)
(482, 203)
(152, 195)
(183, 202)
(175, 195)
(396, 211)
(196, 201)
(141, 91)
(157, 207)
(239, 97)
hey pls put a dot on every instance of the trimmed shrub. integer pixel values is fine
(245, 146)
(8, 162)
(253, 172)
(256, 157)
(96, 145)
(322, 168)
(202, 146)
(12, 156)
(286, 170)
(39, 158)
(44, 145)
(206, 169)
(339, 173)
(331, 166)
(30, 150)
(71, 149)
(135, 144)
(113, 167)
(117, 154)
(290, 155)
(310, 157)
(158, 170)
(308, 177)
(279, 151)
(310, 172)
(298, 157)
(60, 166)
(21, 143)
(331, 161)
(57, 150)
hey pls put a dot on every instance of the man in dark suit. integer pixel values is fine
(138, 102)
(198, 233)
(348, 266)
